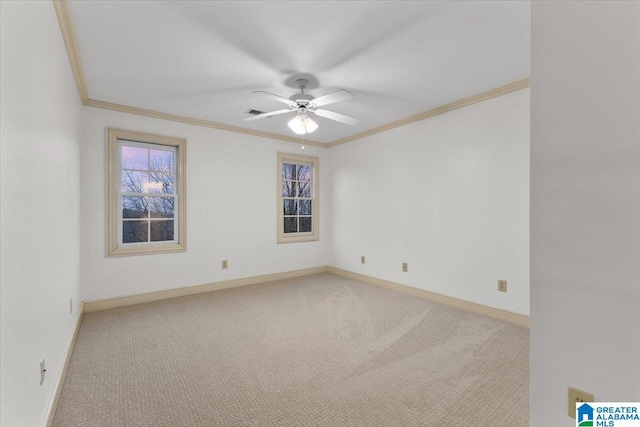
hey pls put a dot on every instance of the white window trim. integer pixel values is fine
(315, 230)
(114, 205)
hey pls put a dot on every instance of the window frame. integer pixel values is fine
(314, 234)
(114, 205)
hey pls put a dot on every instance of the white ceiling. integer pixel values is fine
(203, 59)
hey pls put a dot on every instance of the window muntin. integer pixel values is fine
(148, 198)
(297, 198)
(146, 193)
(297, 185)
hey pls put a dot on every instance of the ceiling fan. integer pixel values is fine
(304, 104)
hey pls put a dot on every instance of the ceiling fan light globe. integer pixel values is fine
(310, 125)
(302, 125)
(297, 126)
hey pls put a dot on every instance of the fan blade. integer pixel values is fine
(269, 114)
(289, 102)
(337, 96)
(337, 117)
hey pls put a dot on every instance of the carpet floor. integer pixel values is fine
(313, 351)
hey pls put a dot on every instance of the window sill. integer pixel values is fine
(296, 239)
(147, 250)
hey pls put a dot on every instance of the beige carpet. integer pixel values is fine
(314, 351)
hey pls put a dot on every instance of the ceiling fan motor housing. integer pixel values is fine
(302, 99)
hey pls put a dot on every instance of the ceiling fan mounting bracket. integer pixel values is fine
(302, 83)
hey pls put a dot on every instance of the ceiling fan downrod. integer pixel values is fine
(302, 99)
(302, 83)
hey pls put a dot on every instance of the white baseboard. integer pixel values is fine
(105, 304)
(51, 413)
(518, 319)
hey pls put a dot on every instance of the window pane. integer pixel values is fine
(161, 231)
(305, 224)
(304, 207)
(288, 171)
(134, 207)
(135, 158)
(135, 231)
(134, 182)
(304, 189)
(289, 188)
(162, 160)
(290, 207)
(304, 173)
(161, 207)
(161, 182)
(291, 224)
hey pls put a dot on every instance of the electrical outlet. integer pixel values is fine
(225, 264)
(71, 305)
(577, 396)
(502, 285)
(362, 260)
(405, 267)
(42, 371)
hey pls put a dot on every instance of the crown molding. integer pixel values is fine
(199, 122)
(63, 12)
(484, 96)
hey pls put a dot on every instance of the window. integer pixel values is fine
(147, 206)
(297, 198)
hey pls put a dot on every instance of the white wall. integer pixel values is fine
(39, 208)
(585, 205)
(449, 195)
(231, 211)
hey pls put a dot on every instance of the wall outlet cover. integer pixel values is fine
(577, 396)
(225, 264)
(42, 371)
(362, 260)
(502, 285)
(405, 267)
